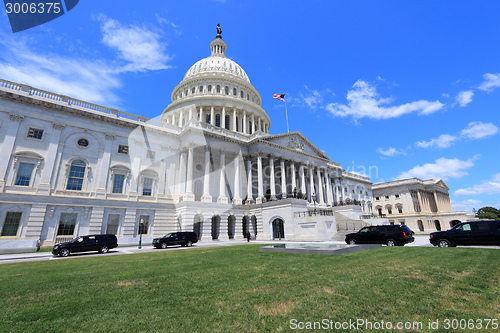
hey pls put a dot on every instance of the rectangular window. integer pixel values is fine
(67, 224)
(400, 210)
(147, 188)
(123, 149)
(24, 174)
(386, 197)
(11, 223)
(118, 183)
(112, 227)
(397, 196)
(389, 211)
(151, 154)
(35, 133)
(143, 224)
(377, 198)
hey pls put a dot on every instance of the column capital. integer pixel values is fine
(59, 127)
(109, 137)
(16, 118)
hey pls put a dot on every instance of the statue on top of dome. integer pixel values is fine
(219, 31)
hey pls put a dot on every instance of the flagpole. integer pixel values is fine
(286, 112)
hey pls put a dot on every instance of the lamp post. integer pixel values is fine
(141, 223)
(313, 196)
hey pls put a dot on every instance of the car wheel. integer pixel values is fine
(189, 243)
(64, 252)
(104, 249)
(163, 245)
(444, 243)
(391, 242)
(351, 241)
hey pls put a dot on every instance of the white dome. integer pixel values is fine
(217, 63)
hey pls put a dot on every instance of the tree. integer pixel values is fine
(488, 213)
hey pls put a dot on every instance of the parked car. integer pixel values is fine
(101, 243)
(185, 238)
(468, 233)
(391, 235)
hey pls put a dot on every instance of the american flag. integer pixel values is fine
(281, 97)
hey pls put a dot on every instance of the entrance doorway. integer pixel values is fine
(278, 229)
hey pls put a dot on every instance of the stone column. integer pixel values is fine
(48, 167)
(104, 167)
(302, 180)
(212, 115)
(223, 120)
(260, 126)
(6, 149)
(223, 228)
(328, 189)
(234, 119)
(311, 183)
(253, 123)
(206, 177)
(201, 114)
(273, 183)
(342, 190)
(136, 167)
(190, 113)
(163, 172)
(244, 127)
(236, 197)
(249, 181)
(294, 180)
(181, 117)
(181, 175)
(438, 206)
(222, 180)
(189, 196)
(321, 200)
(173, 118)
(336, 183)
(238, 226)
(283, 178)
(260, 192)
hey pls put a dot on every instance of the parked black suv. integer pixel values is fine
(391, 235)
(101, 243)
(185, 238)
(468, 233)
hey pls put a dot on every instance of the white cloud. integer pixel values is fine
(443, 168)
(92, 81)
(491, 82)
(478, 130)
(389, 152)
(443, 141)
(363, 101)
(139, 47)
(491, 186)
(464, 97)
(466, 205)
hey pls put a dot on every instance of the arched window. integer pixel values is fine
(226, 90)
(248, 97)
(207, 118)
(186, 93)
(227, 121)
(193, 90)
(201, 89)
(217, 120)
(76, 175)
(241, 93)
(218, 89)
(209, 88)
(234, 91)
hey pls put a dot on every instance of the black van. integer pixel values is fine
(101, 243)
(468, 233)
(392, 235)
(184, 238)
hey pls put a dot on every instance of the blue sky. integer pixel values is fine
(398, 88)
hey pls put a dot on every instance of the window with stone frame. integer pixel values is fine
(209, 88)
(143, 224)
(400, 209)
(123, 149)
(11, 223)
(200, 89)
(76, 175)
(24, 173)
(217, 120)
(67, 224)
(235, 92)
(147, 187)
(112, 226)
(118, 181)
(226, 90)
(218, 89)
(207, 118)
(35, 133)
(227, 122)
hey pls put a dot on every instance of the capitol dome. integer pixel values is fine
(216, 91)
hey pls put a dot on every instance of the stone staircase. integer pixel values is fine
(346, 225)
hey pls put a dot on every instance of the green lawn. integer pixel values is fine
(234, 289)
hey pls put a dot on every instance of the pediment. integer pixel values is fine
(295, 141)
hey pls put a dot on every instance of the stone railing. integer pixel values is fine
(76, 102)
(319, 212)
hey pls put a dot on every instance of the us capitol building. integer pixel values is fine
(208, 164)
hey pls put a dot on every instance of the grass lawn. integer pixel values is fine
(234, 289)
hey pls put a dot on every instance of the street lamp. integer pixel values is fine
(141, 223)
(314, 200)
